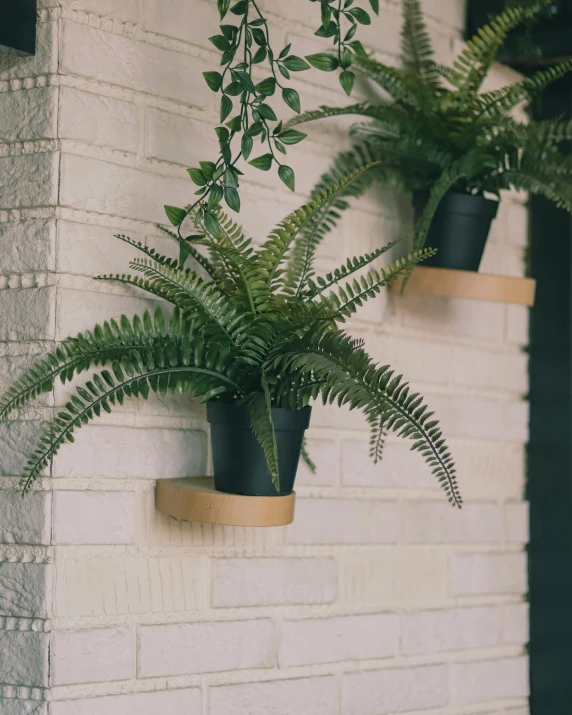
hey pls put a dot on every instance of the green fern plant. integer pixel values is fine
(442, 133)
(248, 325)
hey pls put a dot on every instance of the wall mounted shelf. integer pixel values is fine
(469, 285)
(196, 499)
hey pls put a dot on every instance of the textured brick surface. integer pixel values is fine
(174, 701)
(94, 517)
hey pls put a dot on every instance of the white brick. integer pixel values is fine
(303, 696)
(448, 630)
(516, 419)
(24, 658)
(125, 10)
(27, 314)
(89, 250)
(516, 623)
(327, 640)
(98, 121)
(388, 575)
(169, 702)
(129, 63)
(517, 527)
(475, 574)
(206, 647)
(25, 590)
(192, 22)
(517, 324)
(399, 466)
(490, 470)
(98, 186)
(91, 656)
(271, 582)
(436, 522)
(28, 180)
(22, 707)
(447, 11)
(177, 138)
(491, 370)
(344, 521)
(27, 246)
(324, 454)
(489, 680)
(28, 115)
(157, 453)
(105, 587)
(395, 691)
(418, 359)
(463, 416)
(94, 517)
(25, 520)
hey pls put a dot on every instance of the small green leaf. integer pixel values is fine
(229, 31)
(287, 176)
(197, 176)
(267, 87)
(263, 162)
(220, 42)
(347, 80)
(284, 72)
(350, 33)
(211, 224)
(374, 6)
(233, 89)
(222, 133)
(225, 107)
(292, 99)
(231, 177)
(222, 7)
(358, 48)
(323, 61)
(361, 16)
(292, 136)
(328, 31)
(215, 196)
(326, 14)
(295, 64)
(346, 59)
(259, 36)
(214, 80)
(280, 146)
(259, 55)
(235, 124)
(254, 129)
(240, 8)
(208, 168)
(246, 146)
(285, 51)
(246, 81)
(267, 112)
(232, 198)
(175, 215)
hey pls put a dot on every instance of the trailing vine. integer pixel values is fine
(245, 114)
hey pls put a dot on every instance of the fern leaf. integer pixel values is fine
(416, 47)
(260, 408)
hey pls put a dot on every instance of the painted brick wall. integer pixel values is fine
(379, 598)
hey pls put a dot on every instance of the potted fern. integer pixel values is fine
(451, 145)
(254, 336)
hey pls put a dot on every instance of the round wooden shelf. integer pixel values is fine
(470, 285)
(196, 499)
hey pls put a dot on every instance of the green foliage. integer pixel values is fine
(441, 132)
(249, 325)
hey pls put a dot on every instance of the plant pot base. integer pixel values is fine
(196, 499)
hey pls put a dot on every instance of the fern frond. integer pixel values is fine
(364, 109)
(260, 408)
(406, 89)
(201, 260)
(416, 48)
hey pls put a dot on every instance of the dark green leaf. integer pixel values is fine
(254, 129)
(292, 99)
(292, 136)
(259, 37)
(246, 81)
(267, 87)
(285, 51)
(240, 8)
(232, 198)
(222, 133)
(296, 64)
(225, 107)
(263, 162)
(346, 58)
(222, 7)
(220, 42)
(215, 196)
(328, 31)
(197, 176)
(361, 16)
(175, 215)
(259, 55)
(284, 72)
(214, 80)
(287, 176)
(323, 61)
(208, 168)
(246, 145)
(358, 48)
(347, 80)
(350, 33)
(229, 31)
(233, 89)
(374, 6)
(211, 224)
(225, 152)
(326, 14)
(267, 112)
(280, 146)
(235, 124)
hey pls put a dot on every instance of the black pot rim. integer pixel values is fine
(469, 204)
(283, 418)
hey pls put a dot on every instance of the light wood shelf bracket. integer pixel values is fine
(196, 499)
(469, 285)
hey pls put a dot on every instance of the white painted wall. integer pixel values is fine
(380, 598)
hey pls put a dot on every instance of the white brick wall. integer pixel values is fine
(379, 599)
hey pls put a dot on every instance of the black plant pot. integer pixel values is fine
(459, 229)
(238, 459)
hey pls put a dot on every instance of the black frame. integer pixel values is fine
(18, 26)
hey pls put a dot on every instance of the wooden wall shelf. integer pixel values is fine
(470, 285)
(196, 499)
